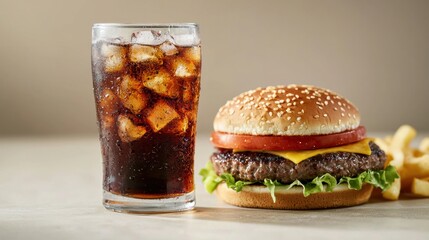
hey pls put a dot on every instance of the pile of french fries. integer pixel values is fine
(411, 163)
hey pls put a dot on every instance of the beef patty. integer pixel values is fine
(256, 166)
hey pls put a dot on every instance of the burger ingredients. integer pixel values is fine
(287, 143)
(325, 183)
(361, 147)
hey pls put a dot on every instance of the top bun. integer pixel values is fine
(287, 110)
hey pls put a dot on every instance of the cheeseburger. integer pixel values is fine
(293, 147)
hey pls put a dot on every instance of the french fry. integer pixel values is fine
(393, 192)
(424, 145)
(411, 163)
(397, 159)
(403, 137)
(418, 166)
(388, 139)
(420, 187)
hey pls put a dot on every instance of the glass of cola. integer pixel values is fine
(146, 80)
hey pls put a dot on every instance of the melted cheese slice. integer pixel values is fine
(361, 147)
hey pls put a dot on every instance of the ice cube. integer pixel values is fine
(184, 68)
(118, 40)
(128, 131)
(177, 126)
(162, 83)
(160, 115)
(140, 53)
(148, 37)
(131, 95)
(193, 54)
(114, 56)
(168, 48)
(186, 39)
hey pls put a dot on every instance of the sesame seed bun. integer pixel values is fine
(287, 110)
(258, 196)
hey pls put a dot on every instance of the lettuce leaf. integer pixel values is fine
(326, 183)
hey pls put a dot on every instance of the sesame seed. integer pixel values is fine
(342, 109)
(316, 116)
(339, 103)
(335, 109)
(298, 119)
(288, 118)
(320, 107)
(342, 114)
(325, 115)
(326, 103)
(231, 111)
(271, 114)
(301, 102)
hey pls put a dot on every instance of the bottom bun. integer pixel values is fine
(258, 196)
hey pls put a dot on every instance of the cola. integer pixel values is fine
(146, 98)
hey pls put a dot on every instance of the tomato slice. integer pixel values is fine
(285, 143)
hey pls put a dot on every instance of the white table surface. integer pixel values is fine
(50, 188)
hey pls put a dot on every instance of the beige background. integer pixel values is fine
(374, 52)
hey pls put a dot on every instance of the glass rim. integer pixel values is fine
(145, 25)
